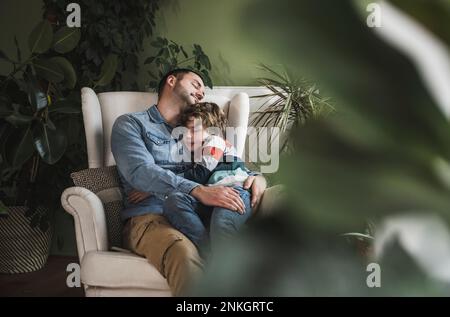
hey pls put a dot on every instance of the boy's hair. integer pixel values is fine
(178, 73)
(209, 112)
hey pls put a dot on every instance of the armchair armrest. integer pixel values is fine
(89, 217)
(271, 197)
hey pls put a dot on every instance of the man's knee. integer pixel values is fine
(181, 251)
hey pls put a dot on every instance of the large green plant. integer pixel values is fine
(172, 55)
(112, 33)
(36, 106)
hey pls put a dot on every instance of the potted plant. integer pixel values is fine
(290, 103)
(35, 101)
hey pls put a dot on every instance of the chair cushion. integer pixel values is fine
(120, 270)
(104, 182)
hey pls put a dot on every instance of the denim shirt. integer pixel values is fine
(142, 145)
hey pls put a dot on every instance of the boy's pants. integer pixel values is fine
(193, 219)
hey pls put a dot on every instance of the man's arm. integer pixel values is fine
(137, 165)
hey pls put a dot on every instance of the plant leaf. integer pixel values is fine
(203, 59)
(16, 118)
(108, 70)
(49, 69)
(19, 54)
(70, 76)
(184, 52)
(40, 38)
(36, 97)
(149, 60)
(4, 57)
(50, 145)
(66, 39)
(67, 106)
(5, 107)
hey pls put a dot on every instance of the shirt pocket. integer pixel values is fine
(159, 147)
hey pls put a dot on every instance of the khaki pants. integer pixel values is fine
(173, 255)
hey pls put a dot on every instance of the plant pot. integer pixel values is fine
(22, 248)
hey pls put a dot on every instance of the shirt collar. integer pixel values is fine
(155, 115)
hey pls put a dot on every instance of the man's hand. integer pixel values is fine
(219, 196)
(136, 196)
(258, 185)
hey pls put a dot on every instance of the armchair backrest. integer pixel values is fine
(100, 111)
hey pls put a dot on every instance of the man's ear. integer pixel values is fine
(171, 80)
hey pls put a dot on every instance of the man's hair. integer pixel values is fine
(178, 73)
(210, 114)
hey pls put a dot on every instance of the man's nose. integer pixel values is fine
(199, 95)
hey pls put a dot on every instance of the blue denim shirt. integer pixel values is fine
(142, 145)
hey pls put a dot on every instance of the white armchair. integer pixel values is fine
(121, 273)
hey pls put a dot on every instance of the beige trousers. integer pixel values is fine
(171, 252)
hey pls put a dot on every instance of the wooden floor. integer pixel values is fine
(49, 281)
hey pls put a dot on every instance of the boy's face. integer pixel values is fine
(195, 134)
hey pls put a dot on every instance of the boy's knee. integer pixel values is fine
(174, 200)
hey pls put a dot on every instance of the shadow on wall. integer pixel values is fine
(221, 69)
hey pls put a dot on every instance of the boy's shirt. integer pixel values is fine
(220, 164)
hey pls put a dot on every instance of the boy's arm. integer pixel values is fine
(198, 173)
(212, 152)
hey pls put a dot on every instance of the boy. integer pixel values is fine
(217, 165)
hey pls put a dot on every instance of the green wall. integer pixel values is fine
(217, 27)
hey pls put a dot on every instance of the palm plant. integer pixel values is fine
(291, 102)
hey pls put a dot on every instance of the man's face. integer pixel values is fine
(190, 88)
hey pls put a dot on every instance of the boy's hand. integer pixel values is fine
(258, 185)
(136, 196)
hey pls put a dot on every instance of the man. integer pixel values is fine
(141, 144)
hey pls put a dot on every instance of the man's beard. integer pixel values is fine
(184, 95)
